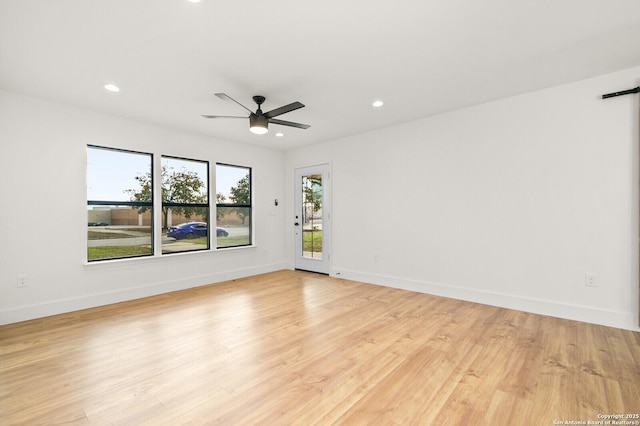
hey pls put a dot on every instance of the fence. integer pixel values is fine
(127, 216)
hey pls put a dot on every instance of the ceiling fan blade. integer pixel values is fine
(289, 123)
(226, 97)
(284, 109)
(222, 116)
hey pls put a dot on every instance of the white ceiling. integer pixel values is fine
(422, 57)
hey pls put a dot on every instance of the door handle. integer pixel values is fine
(296, 224)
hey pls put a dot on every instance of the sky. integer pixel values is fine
(110, 172)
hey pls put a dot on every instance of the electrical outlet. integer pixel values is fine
(590, 280)
(21, 280)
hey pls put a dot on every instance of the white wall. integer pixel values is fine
(507, 203)
(43, 169)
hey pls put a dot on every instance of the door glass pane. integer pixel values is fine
(312, 216)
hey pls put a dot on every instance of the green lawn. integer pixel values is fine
(117, 252)
(111, 252)
(98, 234)
(199, 240)
(238, 240)
(312, 241)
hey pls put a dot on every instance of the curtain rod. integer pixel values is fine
(624, 92)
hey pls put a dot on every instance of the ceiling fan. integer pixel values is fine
(259, 121)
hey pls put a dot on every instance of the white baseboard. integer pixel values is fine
(623, 320)
(55, 307)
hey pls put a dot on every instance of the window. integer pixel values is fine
(185, 205)
(119, 203)
(233, 206)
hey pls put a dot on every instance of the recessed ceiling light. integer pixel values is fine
(112, 87)
(377, 104)
(279, 134)
(194, 1)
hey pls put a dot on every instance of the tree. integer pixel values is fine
(183, 186)
(312, 190)
(241, 194)
(220, 213)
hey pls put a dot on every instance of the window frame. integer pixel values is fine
(111, 203)
(206, 205)
(234, 205)
(156, 203)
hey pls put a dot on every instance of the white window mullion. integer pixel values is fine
(157, 205)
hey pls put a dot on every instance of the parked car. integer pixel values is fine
(98, 224)
(193, 230)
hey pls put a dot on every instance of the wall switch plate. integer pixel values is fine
(590, 280)
(21, 281)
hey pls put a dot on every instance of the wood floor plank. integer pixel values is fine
(296, 348)
(508, 408)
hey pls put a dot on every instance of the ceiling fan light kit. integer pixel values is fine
(259, 121)
(258, 124)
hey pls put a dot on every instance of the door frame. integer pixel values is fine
(322, 266)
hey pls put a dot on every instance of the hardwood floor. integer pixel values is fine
(293, 347)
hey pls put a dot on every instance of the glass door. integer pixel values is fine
(312, 219)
